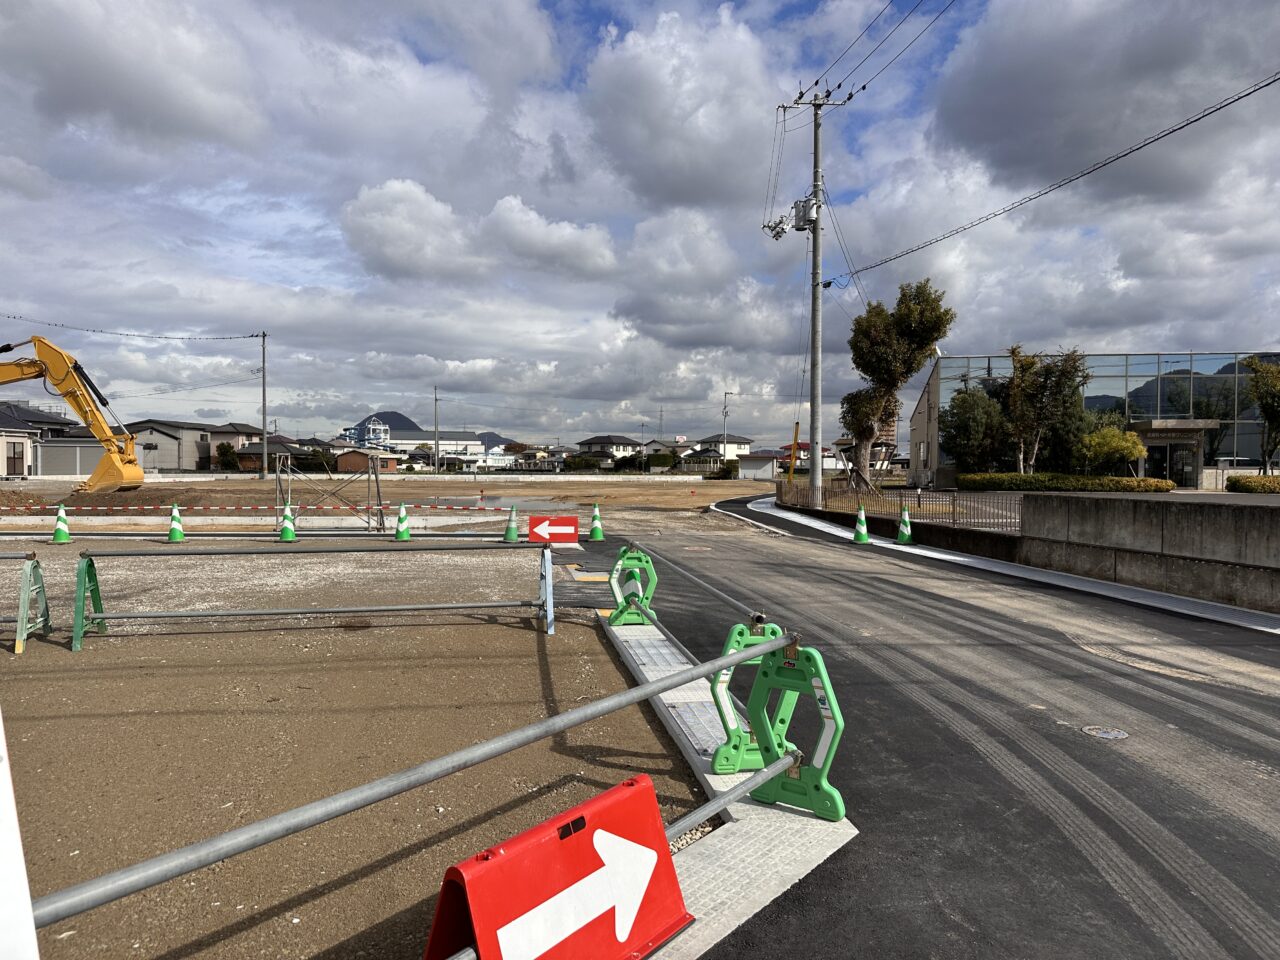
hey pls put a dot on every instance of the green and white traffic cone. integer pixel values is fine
(402, 524)
(597, 531)
(287, 534)
(904, 529)
(61, 532)
(175, 526)
(860, 530)
(512, 534)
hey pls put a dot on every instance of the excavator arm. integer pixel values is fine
(119, 468)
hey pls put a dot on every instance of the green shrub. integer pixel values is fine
(1061, 482)
(1243, 483)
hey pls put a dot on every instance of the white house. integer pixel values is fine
(610, 443)
(730, 447)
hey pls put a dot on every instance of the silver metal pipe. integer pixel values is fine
(732, 795)
(120, 883)
(308, 611)
(18, 556)
(293, 549)
(718, 594)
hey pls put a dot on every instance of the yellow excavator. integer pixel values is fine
(119, 468)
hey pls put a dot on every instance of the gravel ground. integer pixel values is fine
(161, 734)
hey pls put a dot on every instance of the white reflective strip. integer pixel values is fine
(828, 724)
(720, 690)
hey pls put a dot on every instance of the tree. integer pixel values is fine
(1110, 449)
(227, 457)
(972, 430)
(515, 447)
(1264, 391)
(1040, 391)
(888, 349)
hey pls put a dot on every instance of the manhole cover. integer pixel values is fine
(1105, 733)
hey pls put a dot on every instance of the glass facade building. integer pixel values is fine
(1152, 390)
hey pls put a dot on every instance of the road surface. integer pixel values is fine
(992, 825)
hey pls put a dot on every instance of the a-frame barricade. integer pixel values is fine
(740, 751)
(88, 602)
(33, 605)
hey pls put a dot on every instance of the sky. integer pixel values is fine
(552, 211)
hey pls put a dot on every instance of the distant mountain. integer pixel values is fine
(491, 439)
(392, 418)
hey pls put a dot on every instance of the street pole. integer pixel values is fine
(435, 397)
(724, 434)
(815, 315)
(262, 474)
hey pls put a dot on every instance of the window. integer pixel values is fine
(204, 438)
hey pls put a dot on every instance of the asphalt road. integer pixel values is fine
(991, 824)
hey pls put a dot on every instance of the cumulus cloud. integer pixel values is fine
(558, 245)
(401, 230)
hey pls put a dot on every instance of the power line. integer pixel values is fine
(1065, 181)
(121, 333)
(883, 41)
(182, 389)
(847, 49)
(925, 30)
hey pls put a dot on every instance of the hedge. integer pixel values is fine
(1243, 483)
(1061, 482)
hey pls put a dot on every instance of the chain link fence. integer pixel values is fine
(974, 509)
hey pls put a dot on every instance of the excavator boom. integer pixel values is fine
(119, 468)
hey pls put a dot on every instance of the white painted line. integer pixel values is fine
(17, 925)
(1166, 602)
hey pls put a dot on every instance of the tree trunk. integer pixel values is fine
(862, 463)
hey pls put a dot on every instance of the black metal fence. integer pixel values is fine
(975, 509)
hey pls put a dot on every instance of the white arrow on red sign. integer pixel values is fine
(546, 529)
(618, 885)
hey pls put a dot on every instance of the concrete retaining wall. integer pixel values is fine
(1225, 552)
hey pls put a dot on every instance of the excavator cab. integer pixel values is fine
(119, 468)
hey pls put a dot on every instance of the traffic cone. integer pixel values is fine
(61, 532)
(860, 530)
(512, 534)
(597, 531)
(175, 526)
(287, 534)
(904, 529)
(402, 524)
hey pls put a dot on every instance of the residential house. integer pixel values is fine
(17, 437)
(250, 456)
(354, 461)
(611, 444)
(730, 447)
(672, 447)
(45, 417)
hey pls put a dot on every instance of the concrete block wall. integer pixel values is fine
(1224, 552)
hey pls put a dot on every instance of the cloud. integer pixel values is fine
(154, 71)
(24, 178)
(679, 107)
(400, 230)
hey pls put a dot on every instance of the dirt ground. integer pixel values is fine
(658, 496)
(161, 734)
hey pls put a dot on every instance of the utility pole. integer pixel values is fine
(661, 432)
(262, 474)
(807, 215)
(724, 434)
(435, 398)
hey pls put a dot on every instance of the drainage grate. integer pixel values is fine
(1105, 733)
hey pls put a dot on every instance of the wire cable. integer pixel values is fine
(847, 49)
(883, 41)
(121, 333)
(1079, 175)
(864, 86)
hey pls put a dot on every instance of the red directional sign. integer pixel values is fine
(596, 882)
(553, 529)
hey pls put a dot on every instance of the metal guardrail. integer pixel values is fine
(89, 613)
(973, 509)
(121, 883)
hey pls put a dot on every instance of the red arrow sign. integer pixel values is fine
(596, 882)
(553, 529)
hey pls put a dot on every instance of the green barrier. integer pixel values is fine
(797, 670)
(632, 577)
(87, 593)
(33, 606)
(740, 751)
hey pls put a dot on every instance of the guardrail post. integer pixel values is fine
(626, 583)
(546, 592)
(740, 751)
(31, 589)
(87, 593)
(798, 670)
